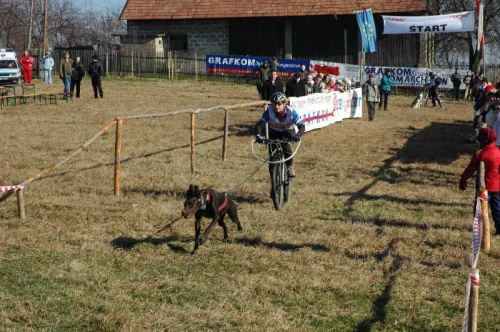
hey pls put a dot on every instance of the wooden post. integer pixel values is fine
(473, 301)
(175, 66)
(107, 64)
(196, 66)
(118, 152)
(224, 140)
(132, 63)
(169, 63)
(20, 204)
(486, 240)
(192, 141)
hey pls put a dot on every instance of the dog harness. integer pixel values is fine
(206, 200)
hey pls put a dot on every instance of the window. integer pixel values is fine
(178, 43)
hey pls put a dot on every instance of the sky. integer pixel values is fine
(103, 4)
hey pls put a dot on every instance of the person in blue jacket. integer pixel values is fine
(385, 88)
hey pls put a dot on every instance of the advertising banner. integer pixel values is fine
(408, 76)
(458, 22)
(337, 69)
(249, 65)
(319, 110)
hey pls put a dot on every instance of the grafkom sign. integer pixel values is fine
(458, 22)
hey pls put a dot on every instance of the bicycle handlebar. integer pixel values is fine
(275, 141)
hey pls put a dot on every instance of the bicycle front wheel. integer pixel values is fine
(288, 188)
(277, 184)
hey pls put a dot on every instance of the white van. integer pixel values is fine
(9, 67)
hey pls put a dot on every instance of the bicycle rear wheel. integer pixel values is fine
(277, 185)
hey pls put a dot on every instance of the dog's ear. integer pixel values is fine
(190, 191)
(196, 191)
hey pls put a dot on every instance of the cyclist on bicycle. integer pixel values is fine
(282, 121)
(433, 87)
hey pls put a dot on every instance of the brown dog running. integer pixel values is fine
(209, 203)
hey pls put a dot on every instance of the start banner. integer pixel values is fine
(319, 110)
(458, 22)
(249, 65)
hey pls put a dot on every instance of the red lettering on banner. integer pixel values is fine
(327, 70)
(459, 16)
(396, 19)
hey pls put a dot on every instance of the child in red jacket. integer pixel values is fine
(490, 154)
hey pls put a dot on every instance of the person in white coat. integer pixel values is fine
(47, 64)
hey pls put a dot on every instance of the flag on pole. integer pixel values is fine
(367, 29)
(480, 32)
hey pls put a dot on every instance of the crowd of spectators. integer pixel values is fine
(302, 83)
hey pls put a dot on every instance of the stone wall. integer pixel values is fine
(203, 36)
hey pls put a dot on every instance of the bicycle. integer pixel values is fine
(281, 183)
(426, 93)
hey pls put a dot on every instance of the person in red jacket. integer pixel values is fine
(27, 62)
(490, 154)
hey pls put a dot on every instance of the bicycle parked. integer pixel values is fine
(281, 181)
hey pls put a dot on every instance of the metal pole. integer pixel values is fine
(192, 141)
(226, 129)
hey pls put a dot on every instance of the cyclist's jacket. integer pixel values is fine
(283, 123)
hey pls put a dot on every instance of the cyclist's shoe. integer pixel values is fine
(291, 172)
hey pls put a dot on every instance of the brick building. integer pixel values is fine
(313, 29)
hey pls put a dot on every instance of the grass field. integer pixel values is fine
(376, 238)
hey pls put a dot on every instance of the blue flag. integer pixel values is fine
(368, 30)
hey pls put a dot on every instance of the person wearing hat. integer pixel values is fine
(95, 73)
(296, 86)
(456, 79)
(273, 64)
(372, 95)
(264, 72)
(47, 65)
(490, 155)
(385, 88)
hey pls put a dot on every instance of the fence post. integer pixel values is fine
(132, 63)
(192, 141)
(196, 66)
(107, 64)
(118, 152)
(473, 301)
(485, 241)
(20, 204)
(224, 140)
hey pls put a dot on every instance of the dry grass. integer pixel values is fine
(377, 236)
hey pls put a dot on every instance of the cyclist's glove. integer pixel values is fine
(295, 138)
(259, 139)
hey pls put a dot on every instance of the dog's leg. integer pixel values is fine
(232, 212)
(197, 231)
(209, 229)
(224, 227)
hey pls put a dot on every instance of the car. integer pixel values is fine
(10, 72)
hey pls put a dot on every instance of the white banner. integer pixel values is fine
(340, 70)
(408, 76)
(458, 22)
(319, 110)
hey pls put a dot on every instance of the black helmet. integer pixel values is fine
(278, 97)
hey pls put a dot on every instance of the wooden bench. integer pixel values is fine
(24, 97)
(63, 95)
(7, 100)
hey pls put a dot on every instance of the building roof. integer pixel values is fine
(210, 9)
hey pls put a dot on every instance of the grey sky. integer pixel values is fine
(103, 4)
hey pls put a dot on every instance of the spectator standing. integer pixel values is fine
(372, 96)
(95, 73)
(77, 75)
(317, 84)
(272, 85)
(303, 72)
(296, 86)
(27, 62)
(490, 155)
(273, 64)
(309, 84)
(385, 88)
(456, 79)
(325, 83)
(467, 81)
(312, 71)
(65, 70)
(47, 65)
(264, 72)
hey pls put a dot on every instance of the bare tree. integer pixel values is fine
(454, 46)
